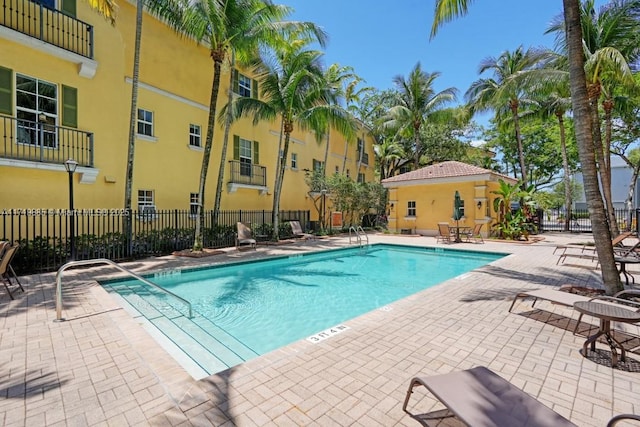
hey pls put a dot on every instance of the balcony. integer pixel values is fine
(44, 143)
(247, 175)
(54, 32)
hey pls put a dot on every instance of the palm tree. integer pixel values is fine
(106, 8)
(337, 78)
(224, 26)
(293, 88)
(552, 99)
(506, 90)
(446, 10)
(610, 40)
(389, 153)
(417, 103)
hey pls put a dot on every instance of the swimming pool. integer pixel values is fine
(251, 308)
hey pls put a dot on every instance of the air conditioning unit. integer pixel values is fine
(148, 212)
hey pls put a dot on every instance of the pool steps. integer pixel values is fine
(211, 354)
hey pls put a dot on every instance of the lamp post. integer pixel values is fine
(70, 165)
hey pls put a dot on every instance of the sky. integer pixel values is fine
(381, 39)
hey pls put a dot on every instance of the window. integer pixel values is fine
(360, 148)
(146, 205)
(294, 161)
(145, 122)
(246, 153)
(145, 200)
(411, 208)
(361, 178)
(194, 201)
(195, 139)
(245, 157)
(318, 166)
(244, 86)
(37, 111)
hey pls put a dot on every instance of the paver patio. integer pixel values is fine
(102, 367)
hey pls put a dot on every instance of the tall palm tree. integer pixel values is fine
(389, 153)
(338, 78)
(293, 88)
(610, 40)
(106, 8)
(446, 10)
(506, 90)
(552, 99)
(223, 26)
(417, 102)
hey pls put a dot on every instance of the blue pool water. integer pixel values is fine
(267, 304)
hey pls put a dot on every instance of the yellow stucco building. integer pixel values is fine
(420, 199)
(65, 92)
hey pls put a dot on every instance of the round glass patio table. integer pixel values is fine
(606, 313)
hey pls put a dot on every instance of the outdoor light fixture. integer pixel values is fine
(70, 166)
(479, 204)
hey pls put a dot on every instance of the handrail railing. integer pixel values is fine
(47, 24)
(113, 264)
(357, 230)
(43, 142)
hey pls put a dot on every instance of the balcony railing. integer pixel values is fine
(43, 142)
(49, 25)
(248, 174)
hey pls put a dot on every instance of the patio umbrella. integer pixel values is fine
(457, 213)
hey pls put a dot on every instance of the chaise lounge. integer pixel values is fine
(296, 229)
(480, 398)
(244, 236)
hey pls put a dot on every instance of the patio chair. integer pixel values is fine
(445, 234)
(615, 242)
(244, 236)
(479, 397)
(6, 271)
(296, 228)
(474, 234)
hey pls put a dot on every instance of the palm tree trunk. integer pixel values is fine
(288, 128)
(567, 173)
(326, 154)
(416, 157)
(580, 103)
(606, 179)
(132, 124)
(516, 126)
(274, 214)
(223, 149)
(344, 160)
(206, 156)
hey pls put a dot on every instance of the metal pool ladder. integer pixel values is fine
(113, 264)
(359, 233)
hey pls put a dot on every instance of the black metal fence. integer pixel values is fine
(579, 222)
(44, 234)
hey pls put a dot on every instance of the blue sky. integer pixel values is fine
(381, 39)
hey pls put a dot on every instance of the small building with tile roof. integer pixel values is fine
(420, 199)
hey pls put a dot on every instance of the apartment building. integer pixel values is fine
(65, 92)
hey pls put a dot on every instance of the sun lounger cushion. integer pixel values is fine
(553, 295)
(480, 398)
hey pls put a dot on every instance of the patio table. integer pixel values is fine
(623, 261)
(457, 231)
(606, 312)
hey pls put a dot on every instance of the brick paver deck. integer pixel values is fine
(101, 367)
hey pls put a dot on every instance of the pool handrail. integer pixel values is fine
(357, 231)
(113, 264)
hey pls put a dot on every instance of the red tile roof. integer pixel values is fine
(444, 170)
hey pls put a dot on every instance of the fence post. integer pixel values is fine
(175, 230)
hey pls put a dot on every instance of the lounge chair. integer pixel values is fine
(296, 229)
(479, 397)
(553, 295)
(6, 271)
(445, 234)
(245, 236)
(589, 251)
(474, 234)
